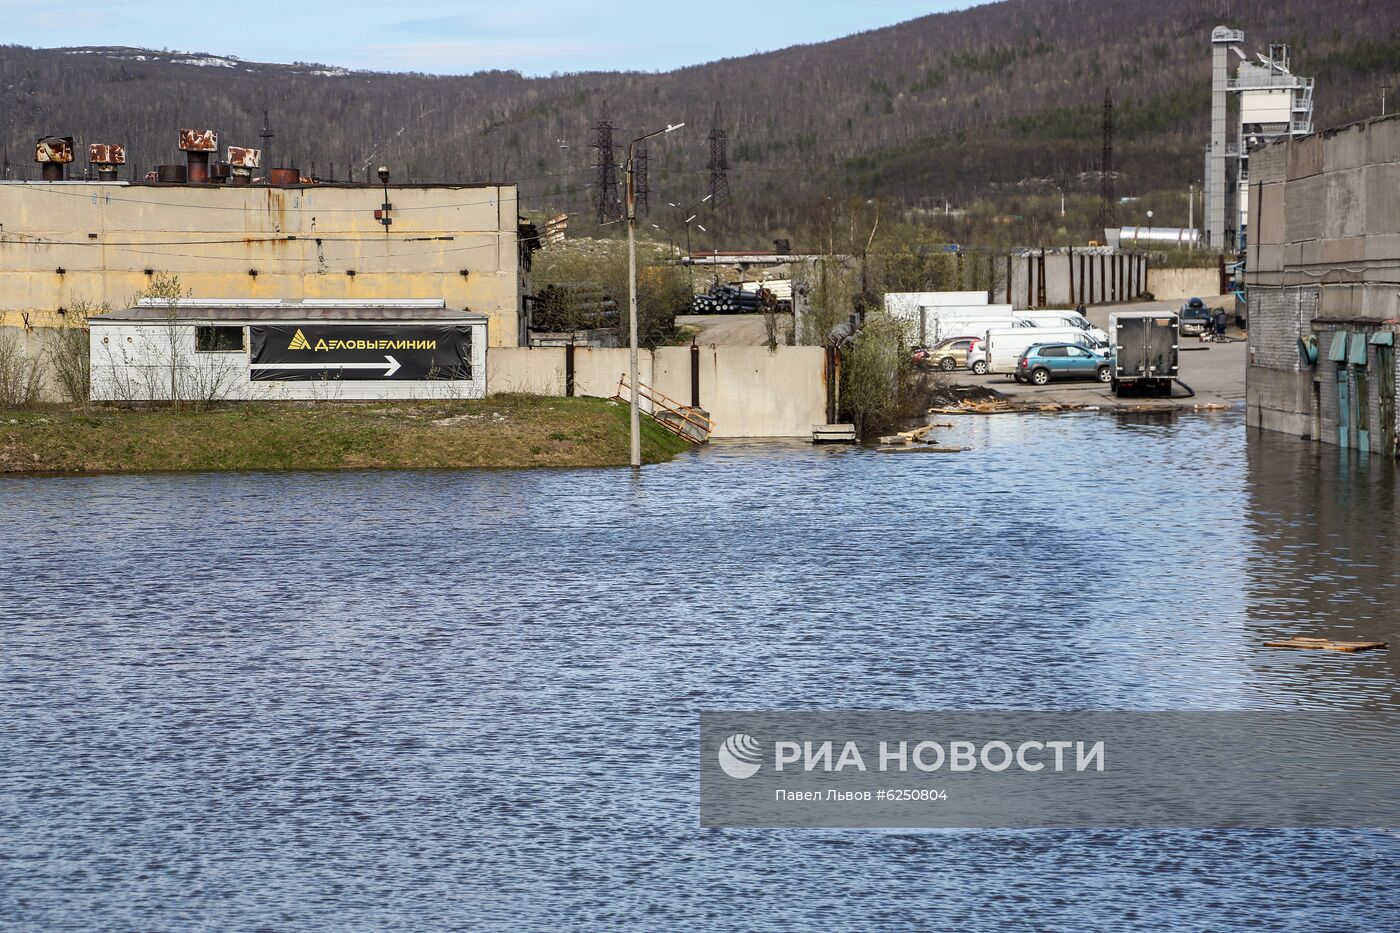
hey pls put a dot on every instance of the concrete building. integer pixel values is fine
(1323, 276)
(105, 242)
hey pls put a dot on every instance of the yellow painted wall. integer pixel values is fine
(300, 240)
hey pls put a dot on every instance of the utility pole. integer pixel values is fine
(1107, 206)
(266, 136)
(634, 418)
(1191, 210)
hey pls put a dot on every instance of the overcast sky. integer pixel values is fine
(531, 36)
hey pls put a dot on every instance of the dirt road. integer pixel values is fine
(734, 330)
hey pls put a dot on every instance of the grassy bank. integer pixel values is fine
(502, 431)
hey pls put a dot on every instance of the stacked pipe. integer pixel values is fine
(53, 153)
(727, 299)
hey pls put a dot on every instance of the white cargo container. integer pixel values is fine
(906, 304)
(932, 323)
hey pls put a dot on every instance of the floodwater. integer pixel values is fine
(429, 701)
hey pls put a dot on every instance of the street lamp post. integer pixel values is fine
(689, 214)
(635, 421)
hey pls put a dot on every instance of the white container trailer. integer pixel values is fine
(1004, 345)
(933, 323)
(906, 304)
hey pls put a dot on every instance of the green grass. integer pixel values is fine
(504, 431)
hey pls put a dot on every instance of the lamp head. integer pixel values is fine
(383, 174)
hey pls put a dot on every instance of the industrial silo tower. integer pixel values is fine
(1264, 101)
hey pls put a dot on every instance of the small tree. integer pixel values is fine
(67, 348)
(166, 292)
(874, 365)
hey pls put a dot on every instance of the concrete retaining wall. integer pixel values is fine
(748, 391)
(1180, 284)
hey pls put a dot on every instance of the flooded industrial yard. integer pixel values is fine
(470, 700)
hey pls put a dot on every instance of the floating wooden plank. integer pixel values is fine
(921, 449)
(1326, 644)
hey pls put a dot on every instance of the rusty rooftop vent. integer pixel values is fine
(240, 157)
(197, 146)
(105, 157)
(199, 141)
(107, 154)
(53, 152)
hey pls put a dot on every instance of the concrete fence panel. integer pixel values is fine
(1180, 284)
(528, 370)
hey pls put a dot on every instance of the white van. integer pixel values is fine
(1003, 346)
(1064, 319)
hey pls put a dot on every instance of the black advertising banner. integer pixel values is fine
(360, 351)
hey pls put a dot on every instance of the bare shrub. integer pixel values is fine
(67, 349)
(21, 375)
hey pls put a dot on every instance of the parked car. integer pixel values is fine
(946, 355)
(1195, 317)
(1045, 361)
(977, 357)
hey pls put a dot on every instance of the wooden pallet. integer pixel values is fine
(1326, 644)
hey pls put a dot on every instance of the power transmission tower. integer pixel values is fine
(719, 162)
(639, 179)
(1107, 201)
(605, 197)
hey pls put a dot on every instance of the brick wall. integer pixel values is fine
(1277, 318)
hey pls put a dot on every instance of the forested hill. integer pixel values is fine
(955, 105)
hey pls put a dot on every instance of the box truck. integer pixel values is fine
(1143, 348)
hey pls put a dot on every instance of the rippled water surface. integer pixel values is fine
(470, 700)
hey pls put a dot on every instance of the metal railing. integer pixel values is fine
(660, 400)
